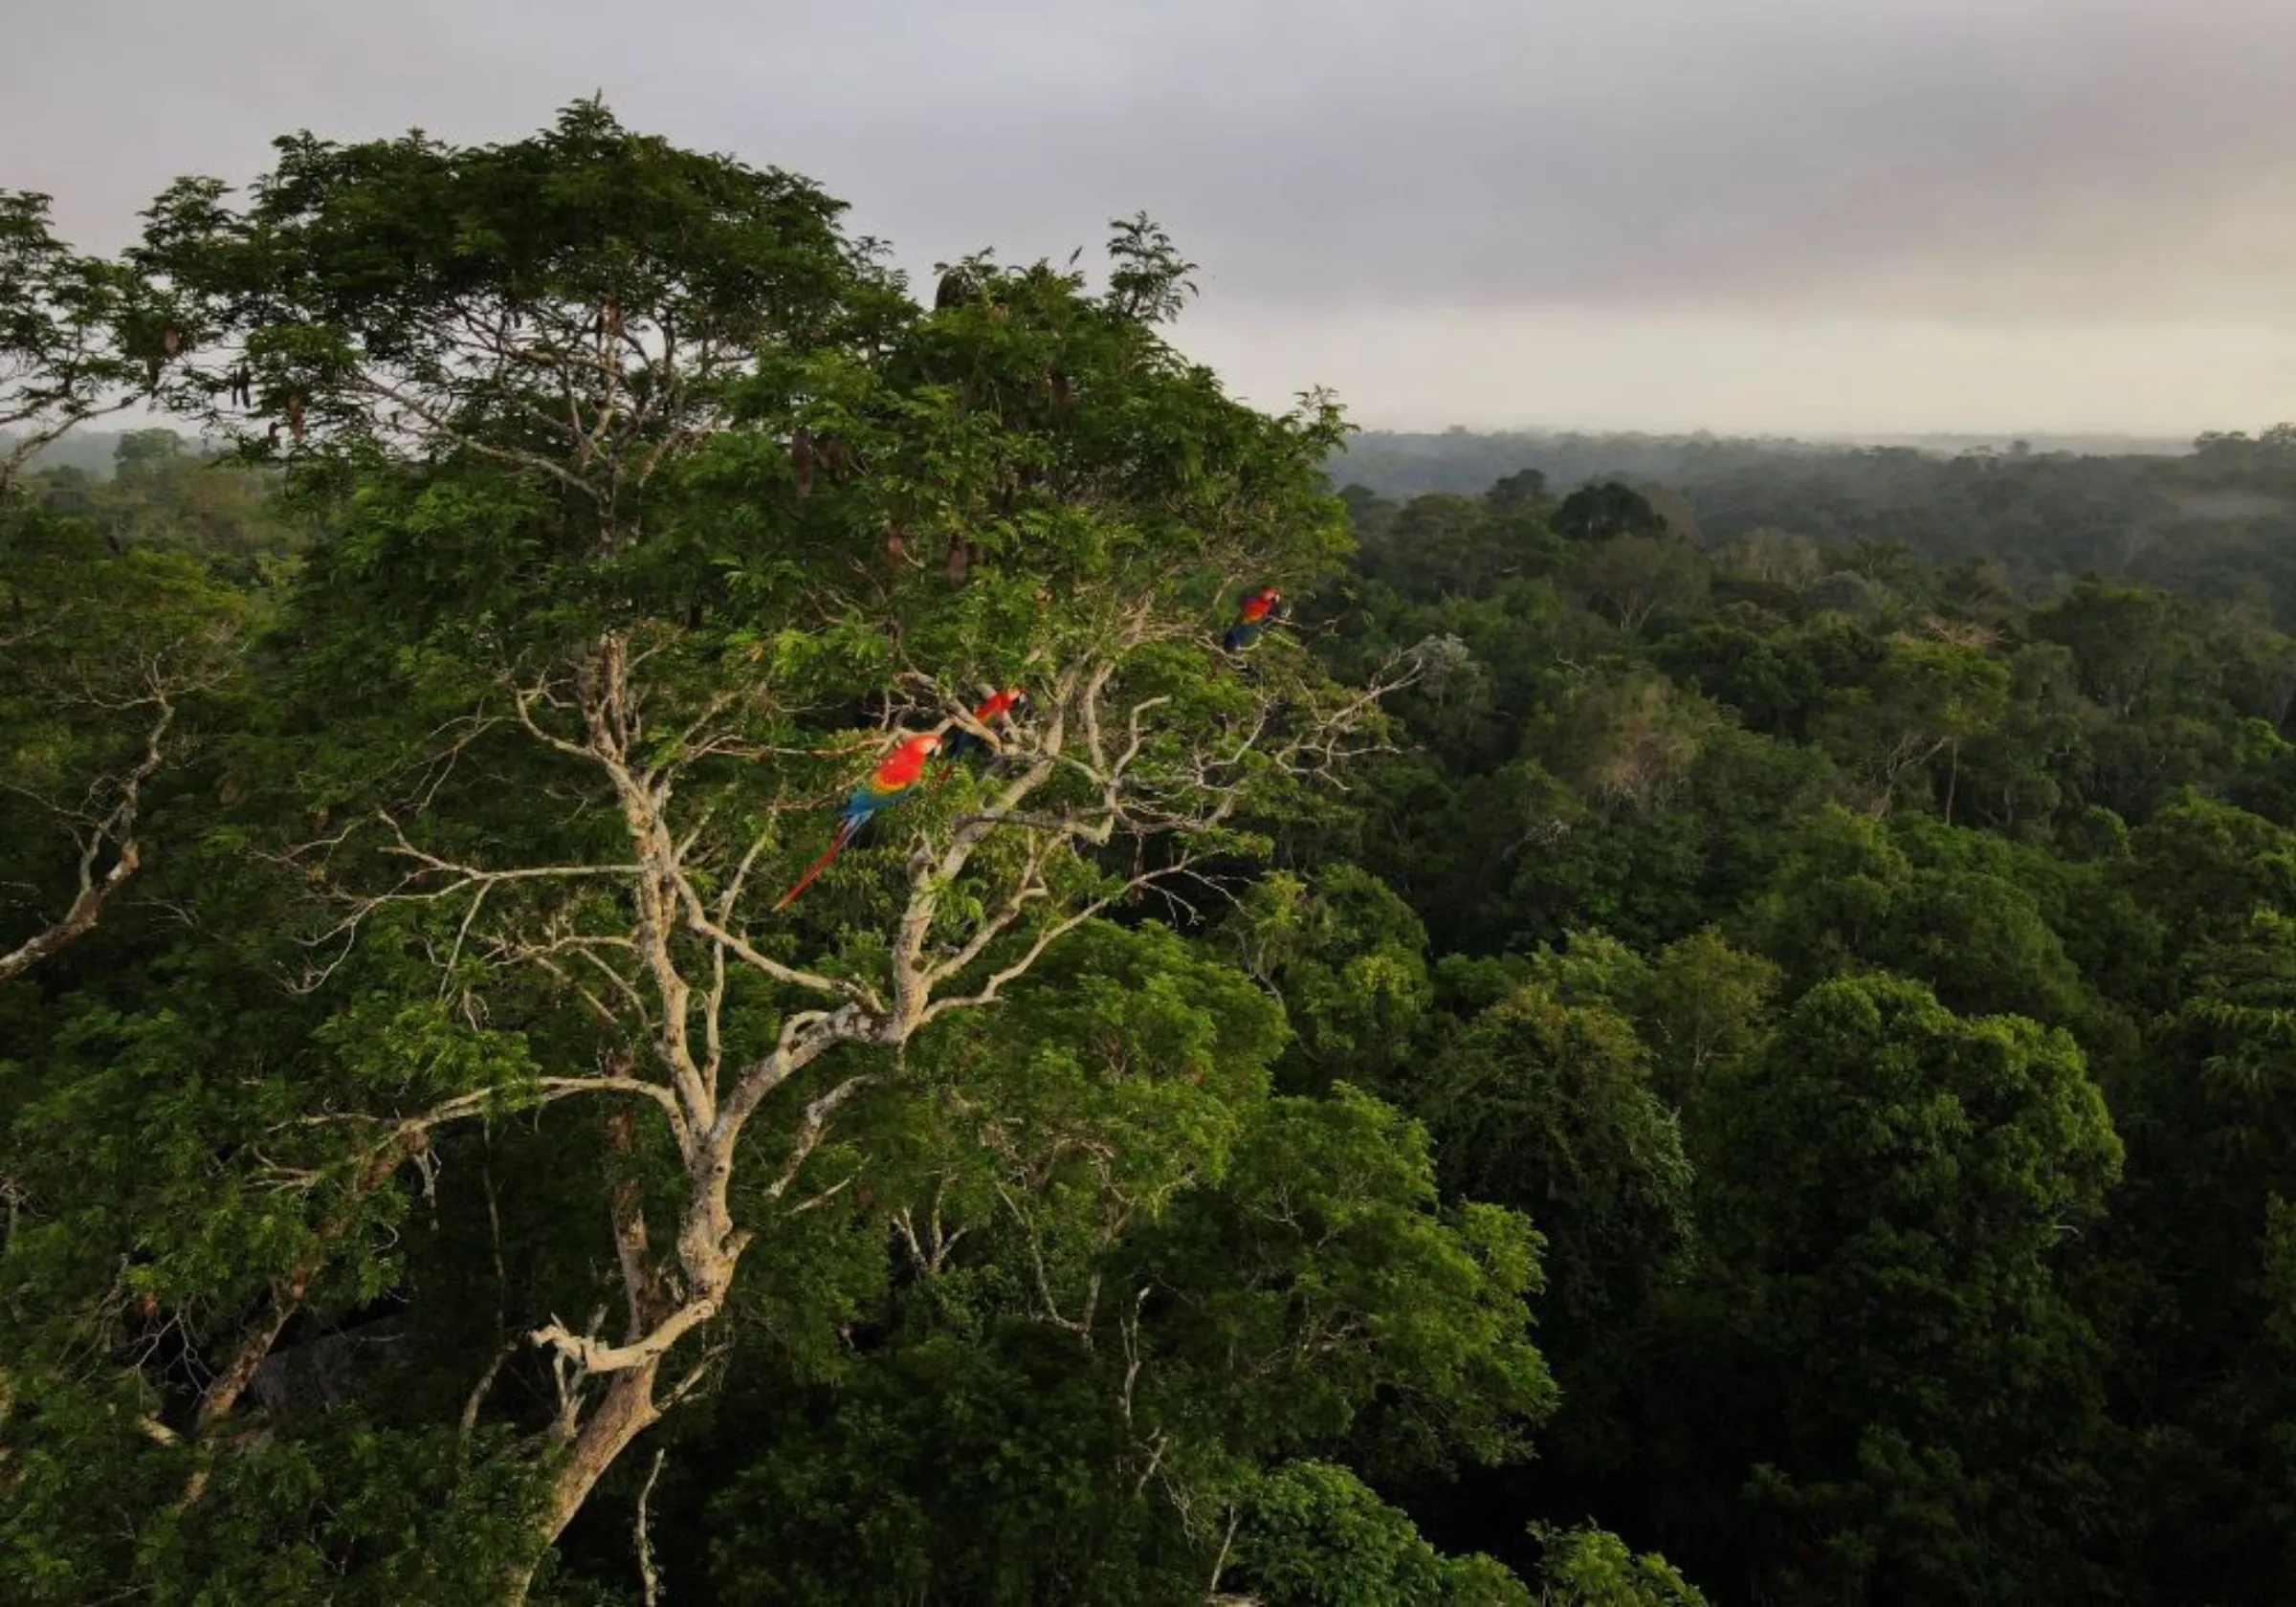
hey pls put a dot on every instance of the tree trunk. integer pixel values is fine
(626, 1412)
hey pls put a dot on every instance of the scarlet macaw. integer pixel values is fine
(1256, 614)
(886, 784)
(962, 741)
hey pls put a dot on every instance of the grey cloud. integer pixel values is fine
(2023, 157)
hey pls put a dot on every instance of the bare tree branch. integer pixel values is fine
(114, 831)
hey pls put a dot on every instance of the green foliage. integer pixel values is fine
(346, 1510)
(1630, 578)
(1896, 1243)
(1607, 512)
(1348, 959)
(1703, 1003)
(1316, 1536)
(1588, 1567)
(1360, 1306)
(1547, 1107)
(115, 659)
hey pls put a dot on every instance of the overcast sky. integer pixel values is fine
(1824, 216)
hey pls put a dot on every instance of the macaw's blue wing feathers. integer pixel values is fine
(1244, 632)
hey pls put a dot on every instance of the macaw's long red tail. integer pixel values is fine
(845, 835)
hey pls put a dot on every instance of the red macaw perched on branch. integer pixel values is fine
(1257, 613)
(886, 784)
(962, 741)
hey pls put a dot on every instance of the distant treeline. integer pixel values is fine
(2218, 521)
(1402, 463)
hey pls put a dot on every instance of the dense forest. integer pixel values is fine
(1724, 1035)
(2216, 521)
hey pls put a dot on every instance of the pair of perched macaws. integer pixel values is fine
(904, 767)
(900, 771)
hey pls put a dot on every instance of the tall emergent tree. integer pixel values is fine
(658, 512)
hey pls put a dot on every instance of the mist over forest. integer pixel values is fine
(687, 918)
